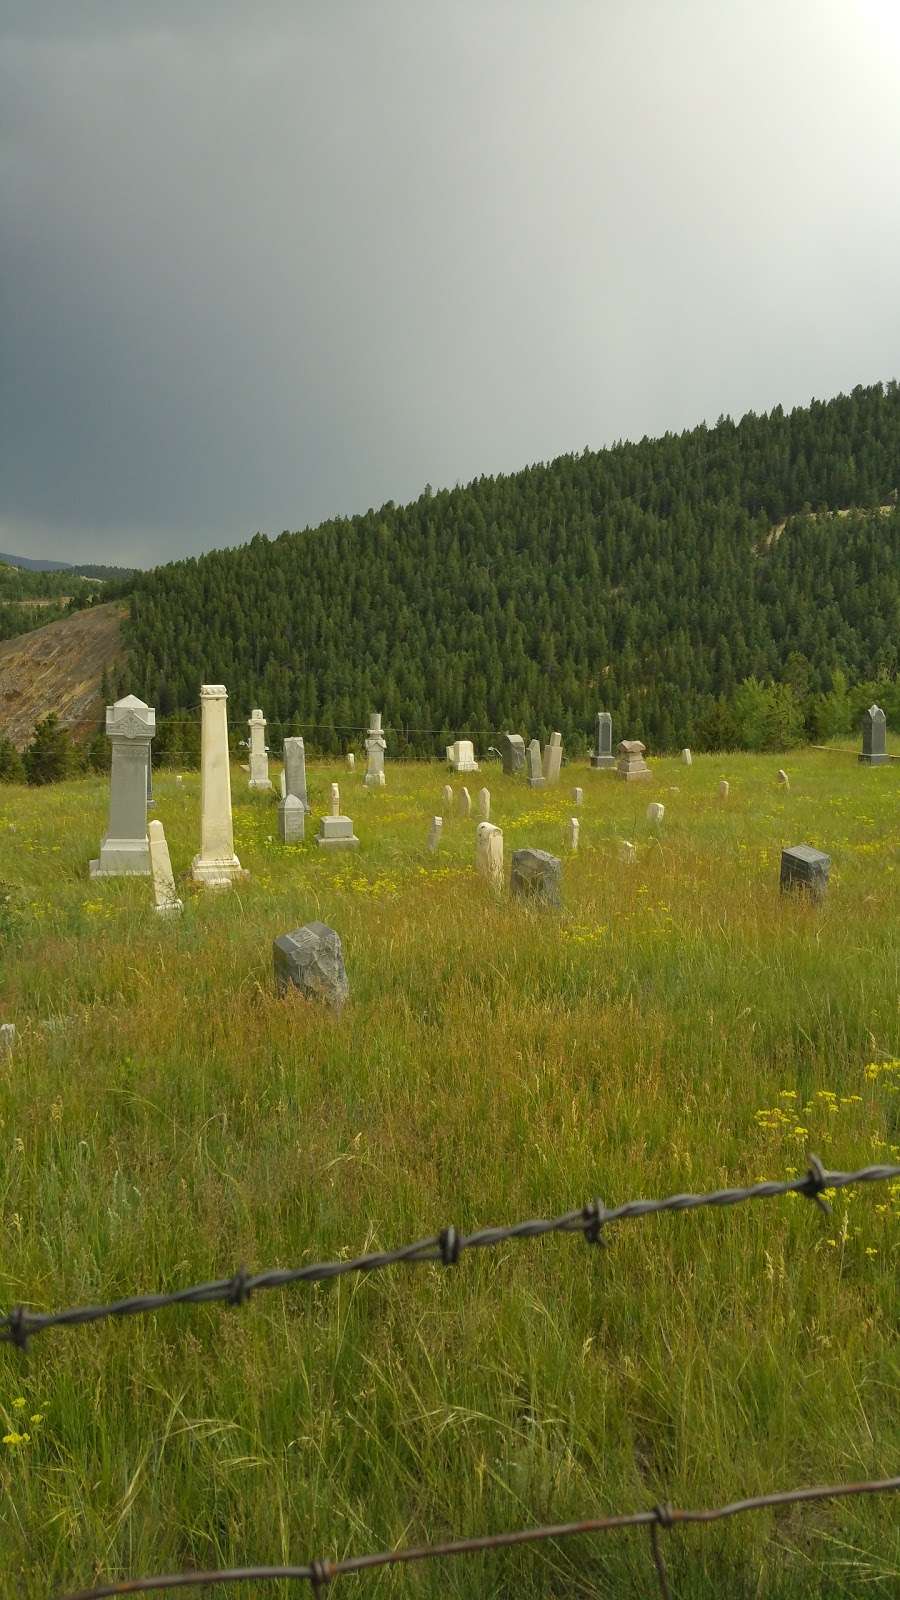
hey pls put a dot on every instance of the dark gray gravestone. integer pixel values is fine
(802, 867)
(311, 959)
(512, 753)
(536, 876)
(874, 729)
(603, 757)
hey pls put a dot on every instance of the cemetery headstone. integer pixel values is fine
(512, 753)
(627, 852)
(216, 866)
(375, 748)
(572, 833)
(311, 959)
(259, 755)
(435, 832)
(655, 811)
(295, 769)
(484, 804)
(783, 778)
(804, 868)
(724, 789)
(874, 738)
(336, 833)
(8, 1037)
(536, 876)
(351, 760)
(447, 799)
(631, 760)
(335, 800)
(282, 783)
(291, 819)
(489, 853)
(461, 756)
(552, 759)
(465, 802)
(165, 894)
(687, 758)
(535, 766)
(125, 848)
(603, 758)
(577, 796)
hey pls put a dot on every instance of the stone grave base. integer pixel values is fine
(122, 857)
(218, 874)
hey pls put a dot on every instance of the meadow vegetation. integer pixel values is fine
(679, 1025)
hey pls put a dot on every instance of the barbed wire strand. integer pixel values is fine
(446, 1247)
(319, 1573)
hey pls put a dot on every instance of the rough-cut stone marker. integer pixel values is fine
(8, 1037)
(375, 748)
(512, 753)
(783, 778)
(537, 876)
(351, 761)
(435, 832)
(724, 789)
(465, 802)
(165, 893)
(259, 755)
(552, 761)
(802, 867)
(336, 833)
(655, 811)
(484, 804)
(335, 800)
(687, 758)
(216, 866)
(295, 769)
(447, 799)
(536, 778)
(603, 758)
(572, 833)
(461, 756)
(311, 959)
(874, 738)
(489, 853)
(577, 796)
(627, 852)
(631, 760)
(291, 819)
(125, 848)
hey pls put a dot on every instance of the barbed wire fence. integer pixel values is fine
(445, 1248)
(19, 1325)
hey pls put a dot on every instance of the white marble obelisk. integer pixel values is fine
(217, 866)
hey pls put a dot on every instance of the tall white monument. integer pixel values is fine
(259, 755)
(217, 866)
(125, 847)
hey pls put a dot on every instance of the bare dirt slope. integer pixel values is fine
(59, 668)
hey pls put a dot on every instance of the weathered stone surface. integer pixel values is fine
(8, 1038)
(724, 789)
(552, 760)
(535, 766)
(351, 761)
(217, 866)
(125, 848)
(375, 748)
(489, 853)
(655, 811)
(165, 893)
(295, 769)
(465, 802)
(336, 833)
(603, 758)
(687, 758)
(435, 833)
(291, 819)
(536, 876)
(631, 764)
(335, 800)
(874, 738)
(311, 959)
(577, 796)
(783, 778)
(627, 852)
(803, 867)
(259, 755)
(572, 832)
(512, 753)
(447, 799)
(461, 756)
(484, 804)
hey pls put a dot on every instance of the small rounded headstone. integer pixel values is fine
(783, 778)
(687, 758)
(577, 796)
(724, 788)
(655, 811)
(627, 852)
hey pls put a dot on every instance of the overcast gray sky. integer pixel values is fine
(263, 263)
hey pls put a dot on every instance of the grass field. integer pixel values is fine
(678, 1026)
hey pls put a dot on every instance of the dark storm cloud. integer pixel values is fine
(265, 263)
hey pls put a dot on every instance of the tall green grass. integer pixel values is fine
(165, 1117)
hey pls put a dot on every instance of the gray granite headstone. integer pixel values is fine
(603, 757)
(291, 819)
(536, 778)
(295, 770)
(512, 753)
(125, 847)
(536, 876)
(874, 731)
(802, 867)
(311, 959)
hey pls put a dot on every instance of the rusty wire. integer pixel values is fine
(320, 1573)
(446, 1247)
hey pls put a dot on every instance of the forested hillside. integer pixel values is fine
(652, 579)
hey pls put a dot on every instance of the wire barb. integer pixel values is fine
(816, 1183)
(594, 1216)
(451, 1246)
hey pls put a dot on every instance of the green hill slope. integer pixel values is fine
(649, 578)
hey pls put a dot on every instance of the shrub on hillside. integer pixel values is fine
(50, 755)
(11, 767)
